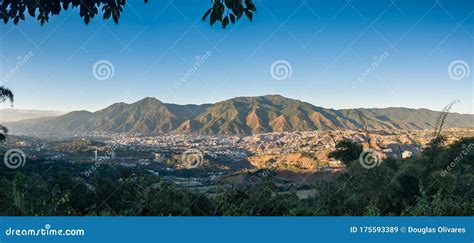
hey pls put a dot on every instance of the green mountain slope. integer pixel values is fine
(237, 116)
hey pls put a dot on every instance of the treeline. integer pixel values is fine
(436, 182)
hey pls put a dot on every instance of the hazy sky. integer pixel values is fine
(362, 54)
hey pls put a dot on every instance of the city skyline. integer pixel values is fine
(333, 55)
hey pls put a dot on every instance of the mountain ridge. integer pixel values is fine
(236, 116)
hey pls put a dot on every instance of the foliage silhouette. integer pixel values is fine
(346, 151)
(222, 11)
(5, 94)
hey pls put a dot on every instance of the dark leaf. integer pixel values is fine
(204, 17)
(225, 22)
(249, 14)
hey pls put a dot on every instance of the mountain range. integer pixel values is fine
(237, 116)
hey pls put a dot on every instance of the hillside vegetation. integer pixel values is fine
(435, 182)
(238, 116)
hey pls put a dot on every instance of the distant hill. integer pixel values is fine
(12, 115)
(237, 116)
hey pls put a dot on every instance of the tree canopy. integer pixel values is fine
(222, 11)
(5, 94)
(396, 187)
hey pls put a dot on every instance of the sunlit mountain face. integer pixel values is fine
(237, 116)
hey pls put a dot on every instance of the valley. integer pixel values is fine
(295, 160)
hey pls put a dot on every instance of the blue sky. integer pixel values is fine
(342, 55)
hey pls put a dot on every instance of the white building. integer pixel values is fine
(407, 154)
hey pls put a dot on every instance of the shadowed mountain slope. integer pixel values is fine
(237, 116)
